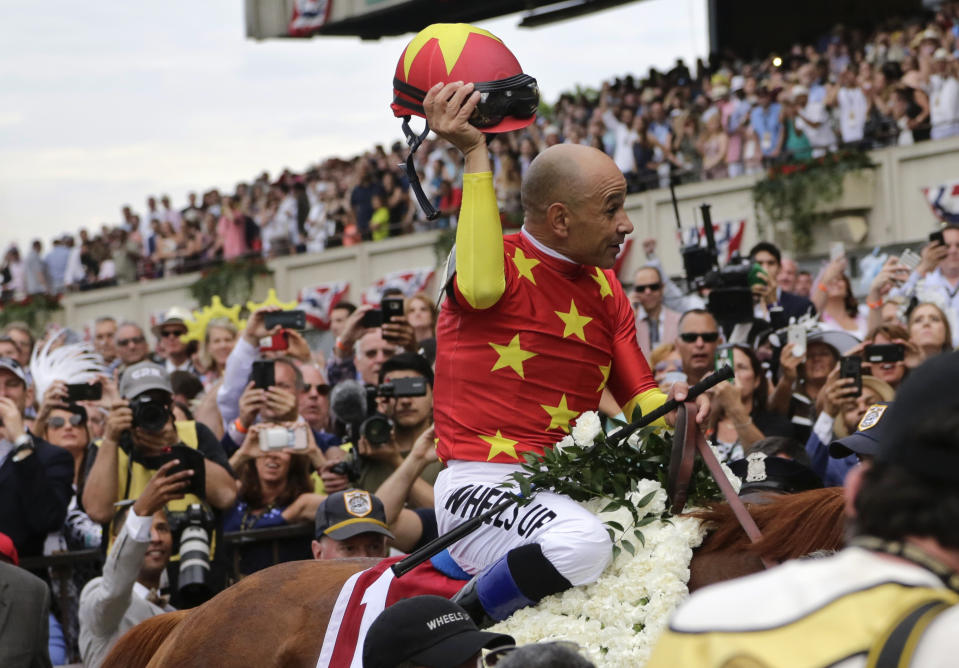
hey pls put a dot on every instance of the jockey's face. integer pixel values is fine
(370, 544)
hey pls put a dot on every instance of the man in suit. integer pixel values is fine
(776, 305)
(655, 324)
(24, 613)
(36, 478)
(128, 591)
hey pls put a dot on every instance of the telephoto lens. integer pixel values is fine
(194, 572)
(150, 414)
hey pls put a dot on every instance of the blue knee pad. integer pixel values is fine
(498, 592)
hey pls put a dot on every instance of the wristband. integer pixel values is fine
(875, 305)
(822, 287)
(339, 346)
(239, 426)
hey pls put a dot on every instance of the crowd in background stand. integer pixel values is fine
(723, 118)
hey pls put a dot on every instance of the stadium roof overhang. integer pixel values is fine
(381, 18)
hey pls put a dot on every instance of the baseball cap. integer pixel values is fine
(762, 473)
(428, 630)
(349, 513)
(142, 377)
(8, 549)
(13, 366)
(868, 435)
(927, 397)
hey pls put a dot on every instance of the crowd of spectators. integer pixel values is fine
(90, 458)
(722, 118)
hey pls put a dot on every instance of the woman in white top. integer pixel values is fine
(838, 308)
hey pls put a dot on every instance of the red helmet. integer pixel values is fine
(445, 52)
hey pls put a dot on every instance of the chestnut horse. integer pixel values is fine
(278, 616)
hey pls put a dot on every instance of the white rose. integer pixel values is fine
(565, 443)
(586, 429)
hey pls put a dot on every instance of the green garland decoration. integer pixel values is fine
(793, 190)
(35, 310)
(232, 281)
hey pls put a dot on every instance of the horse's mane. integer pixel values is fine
(792, 525)
(137, 646)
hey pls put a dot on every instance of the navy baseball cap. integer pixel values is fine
(13, 366)
(868, 435)
(349, 513)
(927, 397)
(429, 631)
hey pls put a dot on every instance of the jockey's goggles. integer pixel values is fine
(516, 97)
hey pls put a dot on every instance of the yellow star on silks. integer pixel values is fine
(451, 37)
(601, 280)
(524, 265)
(272, 300)
(573, 321)
(512, 356)
(499, 444)
(560, 415)
(605, 371)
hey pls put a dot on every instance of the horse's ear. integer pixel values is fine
(851, 487)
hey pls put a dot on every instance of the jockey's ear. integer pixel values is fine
(851, 487)
(317, 549)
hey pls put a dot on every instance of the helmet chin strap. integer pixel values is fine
(414, 140)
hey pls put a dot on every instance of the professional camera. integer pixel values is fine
(192, 527)
(730, 290)
(150, 413)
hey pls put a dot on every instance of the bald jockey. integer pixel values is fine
(534, 327)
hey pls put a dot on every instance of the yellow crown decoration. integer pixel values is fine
(196, 328)
(272, 300)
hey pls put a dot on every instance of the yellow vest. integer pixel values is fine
(847, 626)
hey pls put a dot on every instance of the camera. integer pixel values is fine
(282, 438)
(150, 414)
(192, 528)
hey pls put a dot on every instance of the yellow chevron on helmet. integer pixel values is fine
(451, 40)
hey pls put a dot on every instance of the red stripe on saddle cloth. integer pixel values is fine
(373, 591)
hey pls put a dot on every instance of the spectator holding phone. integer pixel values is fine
(838, 308)
(842, 408)
(363, 346)
(888, 354)
(141, 435)
(929, 330)
(275, 490)
(128, 591)
(938, 273)
(892, 275)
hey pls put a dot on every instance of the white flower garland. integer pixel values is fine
(618, 618)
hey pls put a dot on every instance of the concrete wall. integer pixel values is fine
(894, 212)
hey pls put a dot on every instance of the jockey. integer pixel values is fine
(534, 328)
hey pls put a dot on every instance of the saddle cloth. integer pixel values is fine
(364, 596)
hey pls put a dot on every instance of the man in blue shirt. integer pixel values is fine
(765, 119)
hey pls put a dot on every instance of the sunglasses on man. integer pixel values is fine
(132, 341)
(648, 287)
(707, 337)
(321, 389)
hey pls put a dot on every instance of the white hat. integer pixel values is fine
(798, 90)
(737, 83)
(173, 316)
(940, 54)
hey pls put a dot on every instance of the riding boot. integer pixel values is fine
(519, 579)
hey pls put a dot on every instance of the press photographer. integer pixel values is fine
(141, 435)
(386, 422)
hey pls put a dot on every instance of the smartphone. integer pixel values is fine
(286, 319)
(837, 249)
(391, 306)
(937, 237)
(264, 374)
(851, 367)
(372, 318)
(724, 358)
(757, 275)
(84, 392)
(884, 352)
(277, 341)
(796, 335)
(910, 259)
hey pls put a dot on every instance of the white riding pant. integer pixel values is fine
(571, 537)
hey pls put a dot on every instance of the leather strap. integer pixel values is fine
(678, 488)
